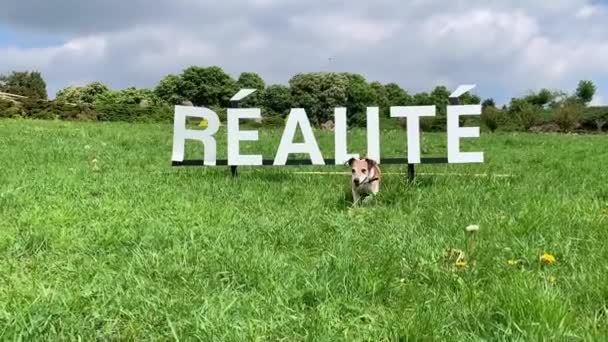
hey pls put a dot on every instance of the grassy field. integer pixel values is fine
(101, 239)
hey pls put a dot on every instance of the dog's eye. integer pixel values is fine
(353, 170)
(364, 170)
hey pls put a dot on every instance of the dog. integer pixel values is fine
(366, 177)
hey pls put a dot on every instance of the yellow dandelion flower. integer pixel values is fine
(203, 124)
(547, 259)
(461, 264)
(512, 262)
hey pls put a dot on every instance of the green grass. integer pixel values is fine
(101, 239)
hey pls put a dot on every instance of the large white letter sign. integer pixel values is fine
(181, 134)
(297, 117)
(455, 132)
(413, 114)
(373, 135)
(342, 155)
(235, 136)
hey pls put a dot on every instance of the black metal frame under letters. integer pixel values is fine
(411, 168)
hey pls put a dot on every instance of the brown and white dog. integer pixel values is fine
(365, 179)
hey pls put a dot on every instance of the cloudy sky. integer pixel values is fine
(506, 47)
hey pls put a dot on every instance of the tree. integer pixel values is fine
(129, 96)
(540, 99)
(360, 95)
(319, 94)
(380, 98)
(469, 99)
(526, 113)
(207, 86)
(491, 117)
(585, 91)
(87, 94)
(488, 103)
(568, 116)
(169, 89)
(251, 80)
(276, 99)
(440, 97)
(397, 96)
(29, 84)
(422, 99)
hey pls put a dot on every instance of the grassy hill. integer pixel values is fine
(101, 239)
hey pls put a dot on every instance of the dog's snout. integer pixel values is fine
(356, 181)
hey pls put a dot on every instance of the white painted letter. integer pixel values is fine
(342, 155)
(181, 134)
(373, 133)
(235, 136)
(413, 114)
(455, 132)
(298, 117)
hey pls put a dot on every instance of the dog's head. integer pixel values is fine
(361, 170)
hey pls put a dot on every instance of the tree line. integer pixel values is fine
(319, 93)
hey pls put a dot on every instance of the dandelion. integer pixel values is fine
(472, 229)
(547, 259)
(203, 124)
(461, 264)
(95, 167)
(512, 262)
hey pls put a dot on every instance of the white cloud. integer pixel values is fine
(586, 12)
(504, 47)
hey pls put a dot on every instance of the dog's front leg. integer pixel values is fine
(356, 198)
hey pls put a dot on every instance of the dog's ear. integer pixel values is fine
(370, 162)
(350, 161)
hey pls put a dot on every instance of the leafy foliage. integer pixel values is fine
(252, 80)
(87, 94)
(567, 117)
(488, 103)
(277, 100)
(492, 117)
(169, 90)
(209, 86)
(585, 91)
(29, 84)
(595, 118)
(526, 114)
(319, 94)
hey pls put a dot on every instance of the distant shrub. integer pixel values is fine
(527, 115)
(492, 117)
(567, 117)
(432, 124)
(134, 113)
(595, 118)
(273, 121)
(53, 110)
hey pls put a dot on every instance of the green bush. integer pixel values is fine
(273, 121)
(527, 115)
(567, 117)
(134, 113)
(595, 118)
(53, 110)
(492, 118)
(432, 124)
(10, 109)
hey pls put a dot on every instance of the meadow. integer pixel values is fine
(100, 238)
